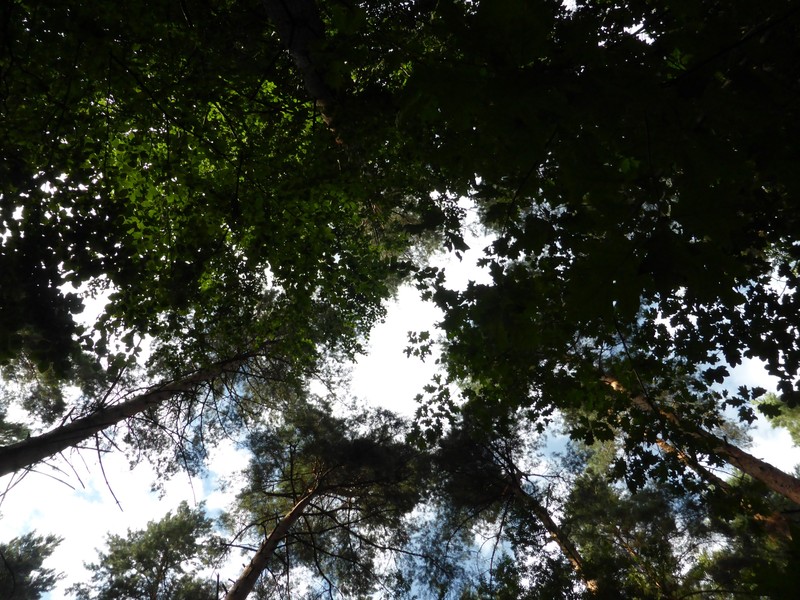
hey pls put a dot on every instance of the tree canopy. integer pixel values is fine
(241, 186)
(158, 562)
(22, 573)
(327, 500)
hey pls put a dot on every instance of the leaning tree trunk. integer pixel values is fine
(558, 535)
(26, 453)
(776, 480)
(694, 464)
(776, 524)
(247, 580)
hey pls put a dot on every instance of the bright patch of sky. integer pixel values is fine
(84, 510)
(385, 375)
(774, 445)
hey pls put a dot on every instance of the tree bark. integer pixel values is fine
(776, 480)
(776, 524)
(247, 580)
(568, 549)
(693, 464)
(26, 453)
(299, 27)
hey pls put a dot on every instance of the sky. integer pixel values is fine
(84, 509)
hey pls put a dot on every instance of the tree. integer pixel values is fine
(328, 499)
(664, 543)
(494, 501)
(247, 182)
(184, 165)
(22, 575)
(26, 453)
(781, 415)
(639, 249)
(640, 545)
(158, 562)
(764, 565)
(661, 541)
(190, 181)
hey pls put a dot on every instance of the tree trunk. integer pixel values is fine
(693, 464)
(776, 524)
(568, 549)
(26, 453)
(776, 480)
(247, 580)
(299, 27)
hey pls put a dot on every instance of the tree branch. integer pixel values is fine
(24, 454)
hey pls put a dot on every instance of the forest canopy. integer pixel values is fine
(242, 186)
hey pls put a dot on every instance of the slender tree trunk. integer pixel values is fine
(299, 27)
(776, 524)
(26, 453)
(247, 580)
(693, 464)
(568, 549)
(776, 480)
